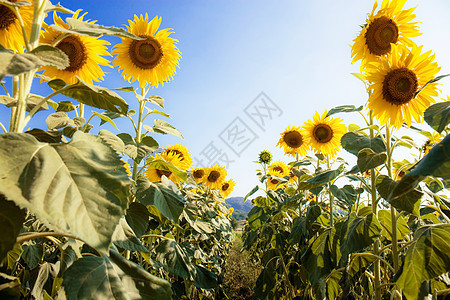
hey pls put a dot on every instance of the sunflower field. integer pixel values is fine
(86, 213)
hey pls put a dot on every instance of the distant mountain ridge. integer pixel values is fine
(238, 204)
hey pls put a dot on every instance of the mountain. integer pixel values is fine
(238, 204)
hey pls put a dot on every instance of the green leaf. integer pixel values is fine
(204, 278)
(164, 128)
(326, 177)
(427, 257)
(45, 136)
(58, 120)
(384, 216)
(13, 256)
(362, 232)
(354, 142)
(167, 166)
(173, 259)
(344, 108)
(105, 118)
(254, 190)
(125, 238)
(78, 188)
(13, 64)
(147, 146)
(11, 223)
(408, 202)
(156, 100)
(112, 140)
(65, 106)
(92, 95)
(112, 278)
(368, 159)
(137, 217)
(50, 7)
(346, 196)
(165, 196)
(15, 4)
(95, 30)
(32, 254)
(438, 115)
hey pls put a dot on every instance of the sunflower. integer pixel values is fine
(324, 133)
(435, 138)
(154, 175)
(227, 187)
(279, 168)
(395, 81)
(273, 183)
(127, 167)
(150, 60)
(293, 141)
(230, 211)
(215, 176)
(198, 174)
(83, 52)
(11, 35)
(183, 153)
(390, 26)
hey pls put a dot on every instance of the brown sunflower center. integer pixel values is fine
(278, 168)
(274, 181)
(198, 174)
(7, 16)
(163, 172)
(176, 152)
(399, 86)
(225, 187)
(74, 48)
(380, 34)
(293, 139)
(323, 133)
(213, 176)
(145, 54)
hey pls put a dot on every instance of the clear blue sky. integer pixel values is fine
(296, 52)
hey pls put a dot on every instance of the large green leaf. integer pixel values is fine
(354, 142)
(92, 95)
(32, 254)
(384, 216)
(427, 257)
(147, 146)
(438, 115)
(125, 238)
(112, 278)
(368, 159)
(78, 188)
(164, 195)
(13, 64)
(11, 222)
(361, 233)
(346, 196)
(173, 258)
(408, 201)
(321, 179)
(137, 217)
(204, 278)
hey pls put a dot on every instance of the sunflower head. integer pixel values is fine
(430, 143)
(279, 168)
(273, 183)
(391, 25)
(227, 187)
(395, 81)
(265, 157)
(293, 141)
(230, 211)
(151, 60)
(84, 53)
(324, 133)
(183, 154)
(155, 174)
(199, 174)
(215, 176)
(11, 35)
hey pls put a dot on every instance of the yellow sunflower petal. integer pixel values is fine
(11, 35)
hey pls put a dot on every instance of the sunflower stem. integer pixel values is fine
(22, 26)
(330, 194)
(393, 213)
(139, 130)
(376, 245)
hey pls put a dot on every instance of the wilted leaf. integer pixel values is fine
(92, 95)
(78, 188)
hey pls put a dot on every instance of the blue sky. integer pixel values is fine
(296, 52)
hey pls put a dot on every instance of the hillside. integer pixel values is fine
(238, 204)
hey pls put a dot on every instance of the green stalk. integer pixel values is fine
(139, 131)
(376, 245)
(330, 195)
(393, 213)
